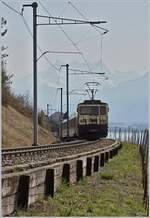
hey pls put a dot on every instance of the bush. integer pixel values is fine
(42, 119)
(6, 92)
(22, 104)
(19, 102)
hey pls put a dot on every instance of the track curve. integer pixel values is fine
(35, 157)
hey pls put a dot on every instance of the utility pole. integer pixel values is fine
(67, 83)
(34, 5)
(67, 95)
(101, 61)
(48, 110)
(61, 108)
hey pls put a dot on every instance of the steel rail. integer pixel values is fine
(7, 150)
(9, 169)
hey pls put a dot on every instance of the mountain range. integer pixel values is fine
(128, 102)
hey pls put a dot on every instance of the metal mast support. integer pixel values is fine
(61, 100)
(67, 84)
(67, 94)
(35, 117)
(35, 114)
(101, 54)
(47, 110)
(61, 108)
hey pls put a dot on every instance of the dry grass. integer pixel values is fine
(17, 130)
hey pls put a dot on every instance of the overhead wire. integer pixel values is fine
(74, 44)
(40, 49)
(85, 71)
(84, 33)
(94, 26)
(85, 39)
(62, 12)
(67, 36)
(81, 40)
(38, 46)
(58, 80)
(29, 31)
(55, 97)
(83, 16)
(27, 26)
(11, 8)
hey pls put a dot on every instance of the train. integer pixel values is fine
(91, 121)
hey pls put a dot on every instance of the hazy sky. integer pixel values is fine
(125, 47)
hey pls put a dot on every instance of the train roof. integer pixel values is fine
(92, 102)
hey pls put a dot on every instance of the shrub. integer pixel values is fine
(106, 176)
(42, 119)
(6, 92)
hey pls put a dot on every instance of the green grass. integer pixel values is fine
(115, 191)
(106, 175)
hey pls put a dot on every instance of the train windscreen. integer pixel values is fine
(89, 110)
(103, 110)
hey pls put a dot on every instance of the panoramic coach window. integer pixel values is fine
(102, 110)
(89, 110)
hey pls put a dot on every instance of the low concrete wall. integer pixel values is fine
(21, 189)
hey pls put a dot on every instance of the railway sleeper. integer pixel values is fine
(102, 159)
(79, 170)
(106, 156)
(96, 164)
(23, 192)
(49, 183)
(88, 166)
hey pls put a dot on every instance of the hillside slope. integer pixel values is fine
(17, 130)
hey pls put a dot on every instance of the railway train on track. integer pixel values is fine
(91, 121)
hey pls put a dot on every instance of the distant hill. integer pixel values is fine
(128, 124)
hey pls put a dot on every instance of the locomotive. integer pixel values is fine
(92, 119)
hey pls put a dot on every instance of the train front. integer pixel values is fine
(92, 122)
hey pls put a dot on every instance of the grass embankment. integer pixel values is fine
(17, 130)
(116, 191)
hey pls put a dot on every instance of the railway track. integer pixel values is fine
(39, 155)
(39, 147)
